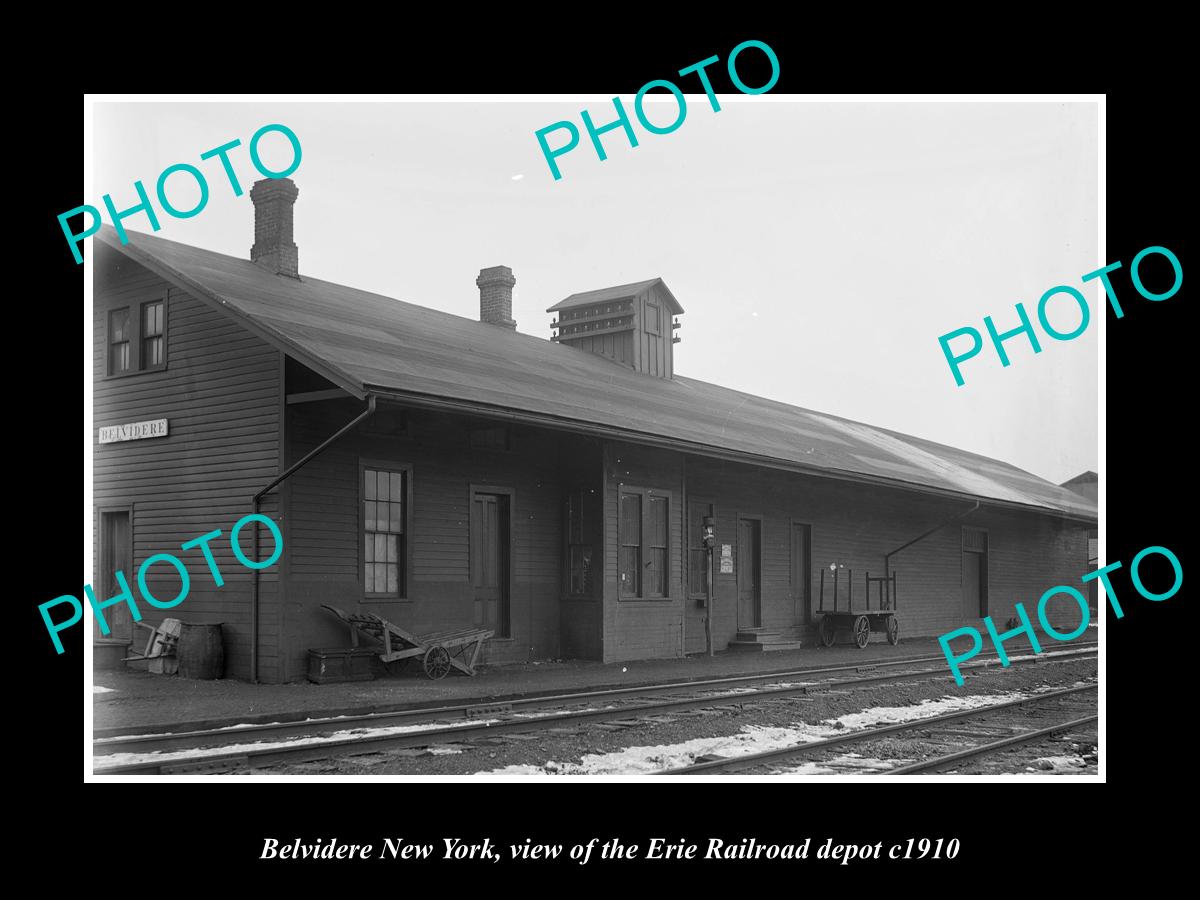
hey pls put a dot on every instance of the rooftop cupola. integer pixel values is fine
(631, 324)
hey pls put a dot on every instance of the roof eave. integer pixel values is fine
(607, 431)
(211, 298)
(676, 306)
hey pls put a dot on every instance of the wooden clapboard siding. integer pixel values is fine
(323, 532)
(856, 525)
(581, 617)
(617, 346)
(642, 628)
(221, 394)
(853, 526)
(654, 350)
(581, 627)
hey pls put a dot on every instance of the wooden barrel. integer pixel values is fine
(201, 651)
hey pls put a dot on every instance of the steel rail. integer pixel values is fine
(207, 736)
(1016, 740)
(865, 734)
(371, 743)
(216, 725)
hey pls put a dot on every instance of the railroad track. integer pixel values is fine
(230, 748)
(768, 759)
(180, 735)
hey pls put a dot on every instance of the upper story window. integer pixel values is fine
(152, 335)
(118, 341)
(137, 338)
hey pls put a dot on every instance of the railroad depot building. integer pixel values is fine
(553, 490)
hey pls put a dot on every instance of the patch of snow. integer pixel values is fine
(96, 689)
(893, 715)
(646, 760)
(1078, 652)
(838, 766)
(123, 759)
(555, 713)
(1051, 765)
(126, 737)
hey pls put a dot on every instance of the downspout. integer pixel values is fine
(258, 500)
(684, 559)
(888, 556)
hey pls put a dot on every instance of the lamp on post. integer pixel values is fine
(710, 541)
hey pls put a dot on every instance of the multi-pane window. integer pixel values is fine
(152, 335)
(118, 341)
(697, 554)
(137, 337)
(631, 545)
(579, 548)
(385, 532)
(656, 547)
(644, 528)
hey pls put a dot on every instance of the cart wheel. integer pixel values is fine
(862, 632)
(827, 631)
(893, 630)
(437, 662)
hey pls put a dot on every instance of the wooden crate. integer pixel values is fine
(328, 666)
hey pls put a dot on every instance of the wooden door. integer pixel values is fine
(489, 561)
(116, 555)
(801, 576)
(972, 574)
(749, 573)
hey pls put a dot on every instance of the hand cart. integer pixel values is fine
(439, 651)
(860, 622)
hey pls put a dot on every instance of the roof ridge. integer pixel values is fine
(314, 280)
(366, 340)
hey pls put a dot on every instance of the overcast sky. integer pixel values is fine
(819, 250)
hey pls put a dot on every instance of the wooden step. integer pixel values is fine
(772, 635)
(767, 646)
(757, 634)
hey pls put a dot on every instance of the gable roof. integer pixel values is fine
(618, 292)
(1086, 484)
(368, 343)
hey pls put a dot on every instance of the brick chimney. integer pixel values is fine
(495, 296)
(274, 248)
